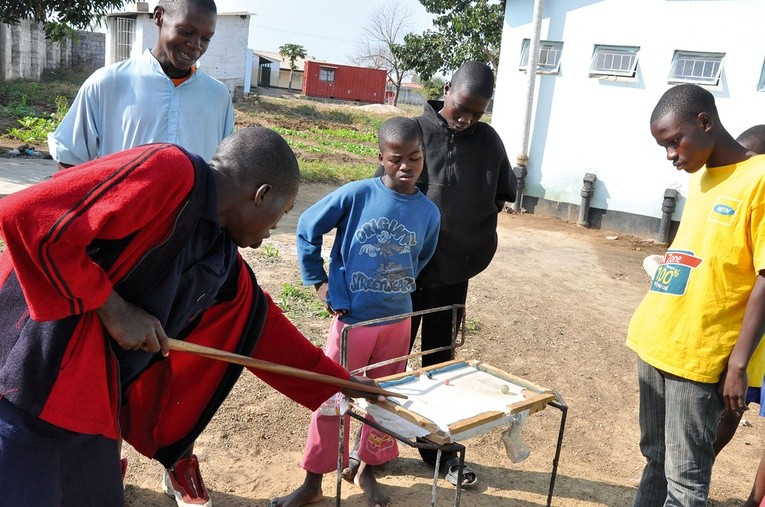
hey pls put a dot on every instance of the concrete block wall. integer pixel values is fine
(25, 53)
(89, 49)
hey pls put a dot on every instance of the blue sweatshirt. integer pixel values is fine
(383, 240)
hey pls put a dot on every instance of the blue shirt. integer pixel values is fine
(133, 102)
(383, 240)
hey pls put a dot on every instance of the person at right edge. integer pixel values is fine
(704, 314)
(468, 176)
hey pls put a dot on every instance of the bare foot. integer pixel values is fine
(365, 479)
(309, 492)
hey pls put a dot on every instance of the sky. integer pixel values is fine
(327, 29)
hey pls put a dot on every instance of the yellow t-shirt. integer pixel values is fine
(691, 317)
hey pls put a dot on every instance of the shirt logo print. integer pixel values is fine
(384, 239)
(724, 210)
(673, 273)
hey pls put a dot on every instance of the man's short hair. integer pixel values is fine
(254, 156)
(686, 101)
(753, 139)
(398, 129)
(174, 5)
(474, 78)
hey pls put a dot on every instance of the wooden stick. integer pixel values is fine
(230, 357)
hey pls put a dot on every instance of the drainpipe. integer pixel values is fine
(531, 78)
(667, 209)
(521, 162)
(588, 189)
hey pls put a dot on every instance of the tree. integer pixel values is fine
(292, 52)
(433, 88)
(384, 32)
(465, 30)
(60, 18)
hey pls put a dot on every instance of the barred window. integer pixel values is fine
(618, 61)
(549, 56)
(761, 84)
(123, 38)
(696, 67)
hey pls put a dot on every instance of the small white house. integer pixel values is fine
(603, 64)
(272, 70)
(227, 59)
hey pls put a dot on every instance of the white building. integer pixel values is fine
(227, 59)
(272, 70)
(603, 66)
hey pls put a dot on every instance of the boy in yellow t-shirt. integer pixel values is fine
(702, 318)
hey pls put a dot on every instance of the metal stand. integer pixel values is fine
(458, 328)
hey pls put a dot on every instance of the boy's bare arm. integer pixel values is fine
(734, 381)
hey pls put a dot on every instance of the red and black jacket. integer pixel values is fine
(117, 223)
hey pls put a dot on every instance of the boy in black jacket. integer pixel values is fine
(468, 176)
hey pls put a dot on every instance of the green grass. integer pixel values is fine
(354, 135)
(34, 129)
(321, 171)
(335, 143)
(23, 97)
(268, 252)
(298, 301)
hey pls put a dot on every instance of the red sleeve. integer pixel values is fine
(48, 226)
(281, 342)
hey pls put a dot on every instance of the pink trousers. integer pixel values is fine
(366, 345)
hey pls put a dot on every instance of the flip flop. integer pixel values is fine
(349, 472)
(452, 467)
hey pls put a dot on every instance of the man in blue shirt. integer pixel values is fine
(159, 96)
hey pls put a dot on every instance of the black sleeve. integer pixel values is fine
(507, 184)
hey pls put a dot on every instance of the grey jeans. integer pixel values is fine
(678, 421)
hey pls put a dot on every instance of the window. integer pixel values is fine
(761, 85)
(549, 56)
(695, 67)
(326, 74)
(123, 38)
(620, 61)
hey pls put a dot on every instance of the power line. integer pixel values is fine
(303, 33)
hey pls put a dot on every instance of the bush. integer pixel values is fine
(34, 129)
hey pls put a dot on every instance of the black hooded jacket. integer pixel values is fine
(468, 176)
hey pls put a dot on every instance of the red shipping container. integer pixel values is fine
(344, 82)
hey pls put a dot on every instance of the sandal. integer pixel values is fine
(349, 472)
(452, 468)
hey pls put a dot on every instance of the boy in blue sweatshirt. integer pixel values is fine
(386, 231)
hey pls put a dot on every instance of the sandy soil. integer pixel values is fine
(553, 308)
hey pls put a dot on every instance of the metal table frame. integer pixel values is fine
(458, 339)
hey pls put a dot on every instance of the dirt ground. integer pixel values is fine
(553, 308)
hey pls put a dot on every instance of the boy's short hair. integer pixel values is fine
(753, 139)
(173, 5)
(398, 129)
(686, 101)
(474, 78)
(255, 156)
